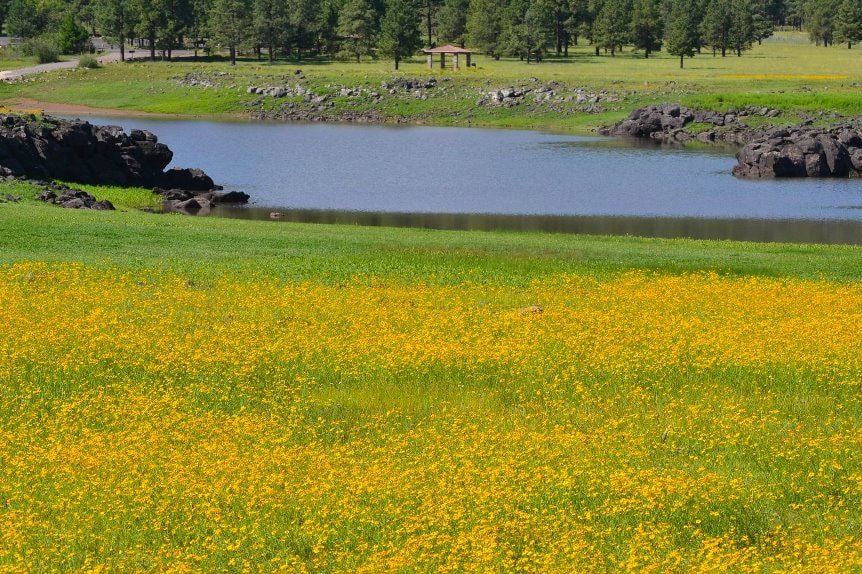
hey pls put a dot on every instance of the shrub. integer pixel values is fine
(45, 51)
(71, 37)
(89, 61)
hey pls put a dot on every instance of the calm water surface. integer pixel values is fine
(451, 177)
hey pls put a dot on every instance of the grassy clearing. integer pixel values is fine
(205, 394)
(811, 79)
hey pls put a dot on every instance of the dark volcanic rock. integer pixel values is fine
(801, 152)
(74, 150)
(188, 179)
(69, 198)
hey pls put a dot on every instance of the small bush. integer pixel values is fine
(89, 61)
(44, 51)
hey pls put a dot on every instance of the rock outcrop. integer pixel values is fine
(48, 148)
(671, 122)
(69, 198)
(802, 152)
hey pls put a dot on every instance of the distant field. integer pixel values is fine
(181, 394)
(785, 72)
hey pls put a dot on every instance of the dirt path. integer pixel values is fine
(29, 105)
(42, 68)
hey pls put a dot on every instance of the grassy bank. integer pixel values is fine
(181, 394)
(811, 79)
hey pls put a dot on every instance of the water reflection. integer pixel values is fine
(759, 230)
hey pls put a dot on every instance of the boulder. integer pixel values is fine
(187, 179)
(231, 197)
(801, 152)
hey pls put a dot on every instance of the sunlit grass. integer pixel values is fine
(792, 76)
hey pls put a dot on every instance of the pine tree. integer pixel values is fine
(484, 26)
(270, 22)
(24, 20)
(848, 27)
(230, 21)
(357, 25)
(715, 28)
(116, 20)
(452, 24)
(399, 31)
(536, 31)
(613, 25)
(762, 20)
(303, 16)
(71, 36)
(682, 37)
(742, 26)
(820, 21)
(647, 26)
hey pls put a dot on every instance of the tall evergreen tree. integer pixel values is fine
(485, 26)
(429, 8)
(820, 21)
(230, 21)
(357, 25)
(848, 27)
(682, 36)
(762, 19)
(303, 19)
(270, 22)
(716, 24)
(535, 33)
(613, 26)
(116, 20)
(71, 37)
(741, 26)
(25, 19)
(452, 21)
(647, 26)
(399, 31)
(149, 22)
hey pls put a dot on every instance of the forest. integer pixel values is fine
(355, 29)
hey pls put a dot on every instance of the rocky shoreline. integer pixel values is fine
(768, 152)
(42, 149)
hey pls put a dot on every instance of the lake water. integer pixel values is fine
(457, 178)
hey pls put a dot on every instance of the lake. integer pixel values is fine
(466, 178)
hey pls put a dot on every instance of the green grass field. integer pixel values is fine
(790, 75)
(184, 394)
(198, 394)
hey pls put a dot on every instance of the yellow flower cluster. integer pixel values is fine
(640, 422)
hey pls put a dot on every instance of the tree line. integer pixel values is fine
(396, 29)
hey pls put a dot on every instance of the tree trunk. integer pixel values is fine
(597, 50)
(152, 40)
(122, 49)
(233, 55)
(271, 52)
(397, 62)
(429, 24)
(723, 52)
(681, 62)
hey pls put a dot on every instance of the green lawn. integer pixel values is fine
(791, 75)
(204, 394)
(207, 247)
